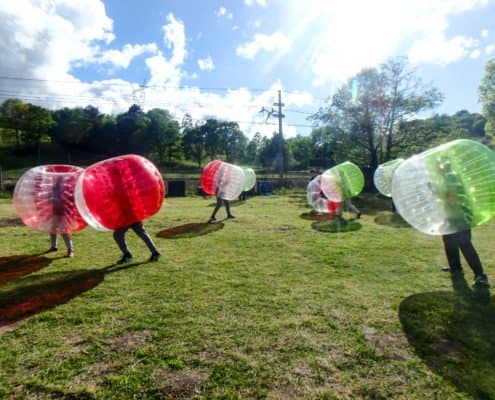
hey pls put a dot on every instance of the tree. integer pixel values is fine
(193, 140)
(235, 141)
(486, 92)
(302, 149)
(364, 114)
(132, 132)
(38, 124)
(73, 126)
(12, 116)
(252, 149)
(165, 134)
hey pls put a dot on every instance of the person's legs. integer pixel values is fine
(68, 244)
(353, 208)
(215, 210)
(119, 237)
(452, 252)
(139, 230)
(227, 207)
(53, 242)
(469, 252)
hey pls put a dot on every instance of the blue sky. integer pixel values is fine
(227, 59)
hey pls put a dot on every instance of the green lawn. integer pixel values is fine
(273, 304)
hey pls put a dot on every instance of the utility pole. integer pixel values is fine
(279, 114)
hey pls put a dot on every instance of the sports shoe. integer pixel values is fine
(230, 216)
(52, 249)
(154, 257)
(481, 281)
(125, 258)
(212, 220)
(358, 215)
(70, 253)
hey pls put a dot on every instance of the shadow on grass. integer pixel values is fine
(315, 216)
(27, 296)
(336, 225)
(31, 295)
(190, 230)
(391, 219)
(12, 267)
(10, 222)
(453, 332)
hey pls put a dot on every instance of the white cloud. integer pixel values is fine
(175, 38)
(277, 42)
(43, 39)
(206, 64)
(438, 49)
(484, 33)
(222, 12)
(122, 58)
(262, 3)
(489, 49)
(337, 39)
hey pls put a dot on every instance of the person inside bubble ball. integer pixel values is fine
(140, 231)
(347, 205)
(58, 212)
(452, 192)
(218, 205)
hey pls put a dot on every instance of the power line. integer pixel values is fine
(142, 86)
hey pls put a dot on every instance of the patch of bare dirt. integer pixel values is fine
(178, 384)
(391, 345)
(130, 341)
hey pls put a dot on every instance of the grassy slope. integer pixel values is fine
(270, 304)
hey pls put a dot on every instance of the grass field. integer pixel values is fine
(274, 304)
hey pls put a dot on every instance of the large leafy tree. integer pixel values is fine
(132, 131)
(38, 123)
(487, 98)
(193, 140)
(13, 113)
(365, 112)
(74, 125)
(165, 134)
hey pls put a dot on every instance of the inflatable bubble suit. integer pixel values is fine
(382, 178)
(342, 182)
(44, 199)
(222, 179)
(446, 189)
(249, 179)
(317, 199)
(119, 191)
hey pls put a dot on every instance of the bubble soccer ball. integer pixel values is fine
(249, 179)
(119, 191)
(222, 179)
(342, 182)
(446, 189)
(44, 199)
(382, 178)
(317, 200)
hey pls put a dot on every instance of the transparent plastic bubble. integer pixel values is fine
(222, 179)
(342, 182)
(446, 189)
(249, 179)
(316, 198)
(44, 199)
(119, 191)
(382, 178)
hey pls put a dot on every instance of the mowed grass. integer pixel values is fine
(275, 304)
